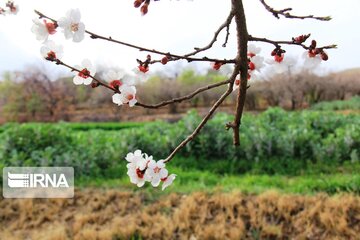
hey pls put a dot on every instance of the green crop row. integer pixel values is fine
(273, 142)
(109, 126)
(351, 104)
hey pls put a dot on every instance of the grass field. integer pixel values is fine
(193, 180)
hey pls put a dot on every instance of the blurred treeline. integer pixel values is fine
(32, 96)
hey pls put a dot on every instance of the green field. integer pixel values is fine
(351, 104)
(295, 175)
(295, 152)
(195, 180)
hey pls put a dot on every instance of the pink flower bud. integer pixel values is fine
(164, 60)
(143, 69)
(144, 8)
(95, 84)
(324, 56)
(115, 84)
(216, 65)
(138, 3)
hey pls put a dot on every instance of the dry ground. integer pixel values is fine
(112, 214)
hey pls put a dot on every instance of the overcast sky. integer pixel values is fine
(178, 27)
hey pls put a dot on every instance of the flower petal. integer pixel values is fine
(129, 157)
(78, 36)
(140, 183)
(132, 102)
(152, 164)
(141, 164)
(155, 181)
(138, 153)
(163, 173)
(160, 164)
(87, 81)
(116, 98)
(78, 80)
(170, 179)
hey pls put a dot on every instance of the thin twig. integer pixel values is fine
(226, 25)
(186, 97)
(285, 12)
(207, 117)
(227, 35)
(278, 43)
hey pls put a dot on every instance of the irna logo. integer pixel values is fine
(33, 180)
(38, 182)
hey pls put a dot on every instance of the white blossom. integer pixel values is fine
(113, 75)
(120, 76)
(137, 176)
(236, 83)
(168, 181)
(13, 8)
(311, 62)
(42, 29)
(86, 69)
(258, 61)
(136, 167)
(140, 77)
(156, 171)
(253, 50)
(281, 66)
(72, 26)
(51, 51)
(128, 80)
(143, 168)
(126, 95)
(254, 76)
(136, 160)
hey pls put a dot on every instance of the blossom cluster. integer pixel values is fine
(312, 58)
(255, 64)
(10, 8)
(314, 55)
(142, 168)
(73, 28)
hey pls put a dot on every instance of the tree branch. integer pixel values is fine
(186, 97)
(161, 104)
(207, 117)
(285, 12)
(174, 57)
(242, 40)
(101, 83)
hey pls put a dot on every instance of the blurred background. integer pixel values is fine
(296, 174)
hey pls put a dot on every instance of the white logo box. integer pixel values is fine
(38, 182)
